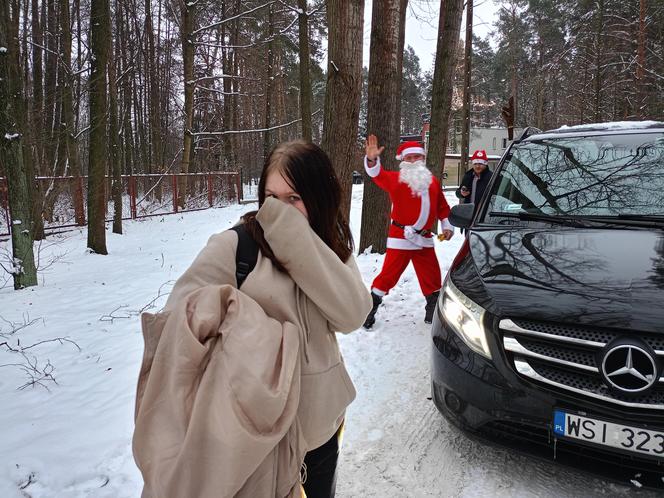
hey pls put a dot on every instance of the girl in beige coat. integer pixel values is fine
(305, 275)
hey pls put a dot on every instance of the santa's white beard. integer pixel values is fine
(416, 175)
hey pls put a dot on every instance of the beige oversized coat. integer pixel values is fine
(221, 449)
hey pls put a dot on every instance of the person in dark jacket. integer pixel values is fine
(474, 182)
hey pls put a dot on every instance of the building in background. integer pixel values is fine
(493, 140)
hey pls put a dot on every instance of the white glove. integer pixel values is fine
(409, 233)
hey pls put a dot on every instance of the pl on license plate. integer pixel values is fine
(624, 437)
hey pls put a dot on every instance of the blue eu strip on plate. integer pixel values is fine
(559, 422)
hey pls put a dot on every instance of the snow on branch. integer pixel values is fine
(299, 11)
(255, 130)
(218, 77)
(221, 92)
(223, 21)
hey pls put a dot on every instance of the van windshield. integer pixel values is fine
(592, 176)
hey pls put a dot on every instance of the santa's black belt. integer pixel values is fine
(423, 231)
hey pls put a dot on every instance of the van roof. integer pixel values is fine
(609, 128)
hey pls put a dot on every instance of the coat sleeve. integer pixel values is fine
(381, 177)
(464, 182)
(443, 206)
(214, 265)
(335, 287)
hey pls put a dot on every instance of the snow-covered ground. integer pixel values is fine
(70, 434)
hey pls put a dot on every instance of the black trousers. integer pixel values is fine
(321, 464)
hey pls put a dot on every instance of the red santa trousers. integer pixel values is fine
(426, 267)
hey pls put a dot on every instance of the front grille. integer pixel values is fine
(593, 384)
(566, 358)
(560, 352)
(598, 335)
(540, 442)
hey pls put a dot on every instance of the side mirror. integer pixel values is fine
(461, 215)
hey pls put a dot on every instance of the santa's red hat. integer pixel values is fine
(410, 147)
(479, 156)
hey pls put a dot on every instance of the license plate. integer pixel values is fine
(605, 433)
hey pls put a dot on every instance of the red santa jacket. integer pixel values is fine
(414, 211)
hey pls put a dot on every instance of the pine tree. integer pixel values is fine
(12, 115)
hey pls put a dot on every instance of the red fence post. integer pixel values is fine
(132, 196)
(79, 209)
(175, 193)
(240, 194)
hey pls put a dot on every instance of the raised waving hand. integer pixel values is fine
(371, 148)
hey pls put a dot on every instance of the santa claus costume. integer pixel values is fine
(418, 203)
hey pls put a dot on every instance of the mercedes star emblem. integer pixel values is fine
(629, 368)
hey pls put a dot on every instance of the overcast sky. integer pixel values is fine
(422, 27)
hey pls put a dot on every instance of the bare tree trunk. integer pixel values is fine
(114, 142)
(128, 149)
(641, 61)
(269, 84)
(227, 56)
(37, 81)
(50, 89)
(514, 81)
(598, 60)
(100, 39)
(152, 76)
(68, 113)
(441, 95)
(35, 167)
(345, 20)
(187, 27)
(467, 73)
(539, 86)
(12, 115)
(383, 115)
(305, 78)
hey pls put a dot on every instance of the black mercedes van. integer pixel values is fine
(549, 330)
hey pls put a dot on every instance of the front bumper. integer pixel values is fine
(487, 399)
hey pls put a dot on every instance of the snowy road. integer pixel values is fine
(397, 444)
(74, 440)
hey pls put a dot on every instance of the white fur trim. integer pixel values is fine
(378, 292)
(411, 150)
(372, 171)
(446, 225)
(480, 161)
(395, 243)
(425, 209)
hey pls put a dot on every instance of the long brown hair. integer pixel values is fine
(309, 172)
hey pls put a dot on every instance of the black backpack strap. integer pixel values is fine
(246, 254)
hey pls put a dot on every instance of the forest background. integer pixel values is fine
(129, 87)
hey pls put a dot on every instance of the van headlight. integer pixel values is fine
(465, 317)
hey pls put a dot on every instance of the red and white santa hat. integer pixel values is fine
(479, 156)
(410, 147)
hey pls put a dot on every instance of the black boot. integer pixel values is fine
(430, 306)
(371, 317)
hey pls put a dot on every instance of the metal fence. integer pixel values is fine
(142, 196)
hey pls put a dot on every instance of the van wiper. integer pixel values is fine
(558, 219)
(636, 220)
(645, 217)
(625, 220)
